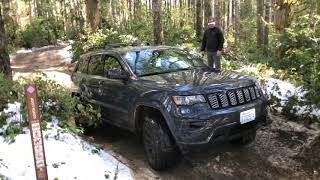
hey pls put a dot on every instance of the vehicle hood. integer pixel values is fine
(199, 79)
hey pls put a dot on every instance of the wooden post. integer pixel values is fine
(35, 132)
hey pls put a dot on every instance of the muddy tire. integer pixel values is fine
(160, 149)
(245, 139)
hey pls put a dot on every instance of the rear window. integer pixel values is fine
(95, 66)
(83, 64)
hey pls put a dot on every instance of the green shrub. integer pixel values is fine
(41, 32)
(99, 38)
(299, 50)
(55, 100)
(7, 92)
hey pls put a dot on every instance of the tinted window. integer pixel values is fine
(111, 63)
(83, 64)
(95, 66)
(148, 62)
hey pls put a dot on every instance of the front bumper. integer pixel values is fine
(207, 127)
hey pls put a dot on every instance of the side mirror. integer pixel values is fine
(117, 74)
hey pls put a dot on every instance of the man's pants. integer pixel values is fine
(214, 61)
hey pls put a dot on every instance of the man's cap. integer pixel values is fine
(211, 19)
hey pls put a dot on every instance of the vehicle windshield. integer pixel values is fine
(152, 62)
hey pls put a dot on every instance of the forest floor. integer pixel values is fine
(285, 149)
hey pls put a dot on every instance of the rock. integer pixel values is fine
(55, 165)
(218, 158)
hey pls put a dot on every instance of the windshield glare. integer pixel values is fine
(149, 62)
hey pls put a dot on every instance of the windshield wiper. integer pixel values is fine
(164, 72)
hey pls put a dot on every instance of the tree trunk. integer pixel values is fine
(93, 14)
(230, 15)
(39, 8)
(198, 19)
(236, 20)
(225, 14)
(208, 9)
(282, 14)
(137, 5)
(259, 22)
(217, 11)
(157, 23)
(5, 66)
(114, 11)
(267, 19)
(30, 9)
(247, 9)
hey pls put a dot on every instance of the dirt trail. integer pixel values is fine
(282, 150)
(50, 60)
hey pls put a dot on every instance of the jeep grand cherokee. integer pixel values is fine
(170, 98)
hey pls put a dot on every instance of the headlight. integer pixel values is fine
(188, 100)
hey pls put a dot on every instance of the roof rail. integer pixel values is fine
(117, 45)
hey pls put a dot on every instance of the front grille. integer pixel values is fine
(233, 97)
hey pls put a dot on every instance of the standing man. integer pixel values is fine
(212, 42)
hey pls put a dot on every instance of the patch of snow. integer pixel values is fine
(282, 90)
(250, 68)
(66, 54)
(61, 78)
(67, 157)
(23, 51)
(43, 48)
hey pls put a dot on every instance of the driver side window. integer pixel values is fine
(111, 63)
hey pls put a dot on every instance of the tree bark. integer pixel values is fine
(93, 14)
(230, 15)
(114, 11)
(5, 66)
(259, 22)
(157, 23)
(247, 8)
(237, 20)
(267, 19)
(137, 5)
(217, 11)
(198, 19)
(208, 9)
(282, 14)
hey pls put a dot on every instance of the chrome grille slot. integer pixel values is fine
(252, 93)
(240, 96)
(246, 94)
(232, 98)
(214, 102)
(223, 99)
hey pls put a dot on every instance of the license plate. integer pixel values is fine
(247, 116)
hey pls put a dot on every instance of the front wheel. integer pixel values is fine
(159, 147)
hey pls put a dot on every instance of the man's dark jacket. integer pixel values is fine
(212, 40)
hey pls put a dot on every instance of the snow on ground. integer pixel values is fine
(67, 156)
(66, 54)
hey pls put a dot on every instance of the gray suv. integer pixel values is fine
(170, 99)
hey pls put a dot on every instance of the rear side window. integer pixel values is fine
(95, 66)
(83, 64)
